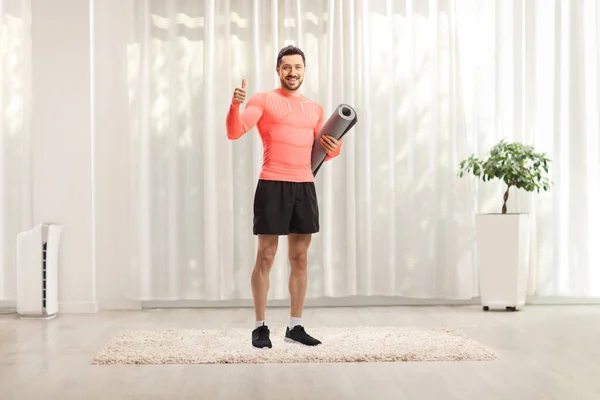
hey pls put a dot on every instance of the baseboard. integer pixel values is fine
(8, 307)
(8, 304)
(359, 301)
(119, 304)
(78, 307)
(355, 301)
(560, 301)
(81, 307)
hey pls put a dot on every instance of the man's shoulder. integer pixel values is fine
(315, 105)
(306, 99)
(312, 105)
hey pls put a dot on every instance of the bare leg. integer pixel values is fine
(298, 254)
(267, 247)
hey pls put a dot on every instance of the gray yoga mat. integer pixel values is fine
(341, 121)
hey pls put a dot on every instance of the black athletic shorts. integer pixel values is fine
(281, 208)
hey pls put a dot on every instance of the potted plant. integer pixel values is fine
(503, 238)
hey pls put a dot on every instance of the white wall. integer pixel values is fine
(61, 142)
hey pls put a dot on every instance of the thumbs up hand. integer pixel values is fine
(239, 94)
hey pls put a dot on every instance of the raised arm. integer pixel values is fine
(238, 124)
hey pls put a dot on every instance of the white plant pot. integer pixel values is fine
(503, 260)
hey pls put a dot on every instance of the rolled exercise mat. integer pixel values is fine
(340, 122)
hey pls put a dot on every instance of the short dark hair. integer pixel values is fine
(288, 51)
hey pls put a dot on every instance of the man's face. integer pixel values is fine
(291, 71)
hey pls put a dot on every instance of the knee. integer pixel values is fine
(266, 257)
(298, 260)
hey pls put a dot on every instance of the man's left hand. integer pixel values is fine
(330, 143)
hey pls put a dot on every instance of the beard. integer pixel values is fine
(291, 86)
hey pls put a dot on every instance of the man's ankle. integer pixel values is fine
(258, 323)
(294, 321)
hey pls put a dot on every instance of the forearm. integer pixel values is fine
(327, 142)
(239, 123)
(335, 153)
(235, 129)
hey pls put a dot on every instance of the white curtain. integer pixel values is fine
(530, 72)
(432, 81)
(15, 112)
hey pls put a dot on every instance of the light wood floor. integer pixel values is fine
(546, 352)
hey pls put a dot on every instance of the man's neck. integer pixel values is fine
(289, 92)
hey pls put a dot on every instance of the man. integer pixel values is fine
(285, 201)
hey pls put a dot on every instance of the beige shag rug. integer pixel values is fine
(340, 345)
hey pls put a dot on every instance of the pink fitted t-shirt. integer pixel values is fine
(287, 125)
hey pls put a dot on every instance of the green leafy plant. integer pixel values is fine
(513, 163)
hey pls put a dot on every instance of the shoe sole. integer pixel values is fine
(289, 340)
(268, 346)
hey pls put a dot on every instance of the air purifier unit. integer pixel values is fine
(37, 271)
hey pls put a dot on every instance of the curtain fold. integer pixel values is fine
(15, 122)
(432, 81)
